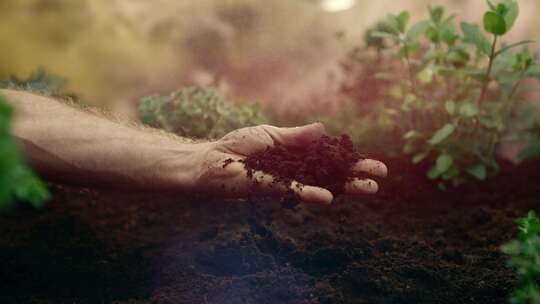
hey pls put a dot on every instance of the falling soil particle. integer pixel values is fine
(227, 162)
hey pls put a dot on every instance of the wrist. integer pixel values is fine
(185, 165)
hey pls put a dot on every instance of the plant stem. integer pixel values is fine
(515, 87)
(488, 76)
(510, 100)
(411, 73)
(417, 119)
(495, 137)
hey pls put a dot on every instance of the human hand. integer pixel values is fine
(232, 180)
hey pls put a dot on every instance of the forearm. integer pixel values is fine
(69, 145)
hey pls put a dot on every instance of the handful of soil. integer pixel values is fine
(326, 163)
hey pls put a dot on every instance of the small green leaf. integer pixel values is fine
(408, 102)
(29, 188)
(472, 34)
(447, 31)
(444, 162)
(433, 173)
(409, 147)
(402, 20)
(432, 34)
(442, 186)
(436, 13)
(417, 30)
(426, 75)
(522, 61)
(411, 135)
(449, 37)
(478, 171)
(494, 23)
(512, 12)
(529, 225)
(442, 134)
(419, 157)
(468, 109)
(451, 173)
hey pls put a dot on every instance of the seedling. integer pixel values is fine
(198, 112)
(524, 257)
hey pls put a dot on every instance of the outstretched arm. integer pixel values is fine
(67, 144)
(70, 145)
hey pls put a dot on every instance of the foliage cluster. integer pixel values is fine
(198, 112)
(524, 257)
(457, 95)
(17, 181)
(39, 82)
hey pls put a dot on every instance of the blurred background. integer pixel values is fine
(282, 53)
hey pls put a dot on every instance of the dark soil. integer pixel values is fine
(408, 244)
(326, 163)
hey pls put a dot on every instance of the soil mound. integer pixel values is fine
(327, 163)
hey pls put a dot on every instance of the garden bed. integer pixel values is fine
(408, 244)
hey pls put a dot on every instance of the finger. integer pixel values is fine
(234, 181)
(266, 184)
(296, 136)
(361, 186)
(370, 166)
(312, 194)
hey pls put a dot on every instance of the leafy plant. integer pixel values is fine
(41, 82)
(457, 98)
(524, 257)
(17, 181)
(198, 112)
(38, 82)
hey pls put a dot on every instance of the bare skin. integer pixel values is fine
(69, 145)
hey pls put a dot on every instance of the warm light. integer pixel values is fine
(337, 5)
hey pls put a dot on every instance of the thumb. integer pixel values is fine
(296, 136)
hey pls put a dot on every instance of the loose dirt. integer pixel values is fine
(326, 163)
(408, 244)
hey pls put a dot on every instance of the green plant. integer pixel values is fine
(17, 181)
(198, 112)
(38, 82)
(41, 82)
(524, 257)
(460, 90)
